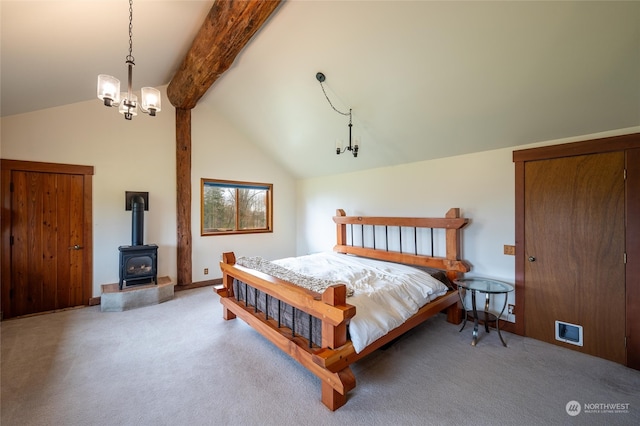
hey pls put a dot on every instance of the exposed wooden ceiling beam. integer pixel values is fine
(227, 29)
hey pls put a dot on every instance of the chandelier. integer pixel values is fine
(109, 87)
(339, 150)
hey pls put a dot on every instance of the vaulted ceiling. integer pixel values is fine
(424, 79)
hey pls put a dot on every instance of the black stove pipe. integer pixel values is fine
(137, 220)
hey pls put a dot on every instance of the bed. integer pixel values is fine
(313, 318)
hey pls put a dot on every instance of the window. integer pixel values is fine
(230, 207)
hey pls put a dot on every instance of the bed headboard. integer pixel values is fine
(418, 247)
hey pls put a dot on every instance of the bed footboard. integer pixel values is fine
(329, 307)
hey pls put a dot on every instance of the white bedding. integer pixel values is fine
(385, 294)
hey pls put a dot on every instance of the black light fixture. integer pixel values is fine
(109, 87)
(339, 150)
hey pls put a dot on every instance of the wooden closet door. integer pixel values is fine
(574, 250)
(47, 246)
(633, 258)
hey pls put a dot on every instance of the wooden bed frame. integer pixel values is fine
(330, 362)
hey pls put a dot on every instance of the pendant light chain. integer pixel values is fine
(329, 100)
(130, 57)
(335, 109)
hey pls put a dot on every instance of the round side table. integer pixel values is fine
(488, 287)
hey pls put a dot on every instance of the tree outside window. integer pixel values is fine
(230, 207)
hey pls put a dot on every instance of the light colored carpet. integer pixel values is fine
(180, 363)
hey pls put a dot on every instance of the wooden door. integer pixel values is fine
(633, 258)
(574, 267)
(46, 242)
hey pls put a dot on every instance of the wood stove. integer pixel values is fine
(138, 262)
(138, 265)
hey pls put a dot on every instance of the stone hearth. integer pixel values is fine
(115, 300)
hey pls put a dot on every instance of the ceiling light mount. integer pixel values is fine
(339, 150)
(109, 87)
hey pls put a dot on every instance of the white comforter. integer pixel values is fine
(385, 294)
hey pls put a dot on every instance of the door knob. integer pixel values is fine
(76, 247)
(532, 259)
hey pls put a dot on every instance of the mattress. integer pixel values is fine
(385, 294)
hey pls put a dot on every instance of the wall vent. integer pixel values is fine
(569, 333)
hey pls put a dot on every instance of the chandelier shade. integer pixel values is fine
(151, 100)
(109, 89)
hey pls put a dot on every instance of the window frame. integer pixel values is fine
(238, 185)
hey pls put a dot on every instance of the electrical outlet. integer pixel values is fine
(510, 250)
(511, 308)
(206, 271)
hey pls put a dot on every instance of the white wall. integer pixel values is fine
(220, 151)
(139, 155)
(482, 185)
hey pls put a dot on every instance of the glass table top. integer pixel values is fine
(484, 285)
